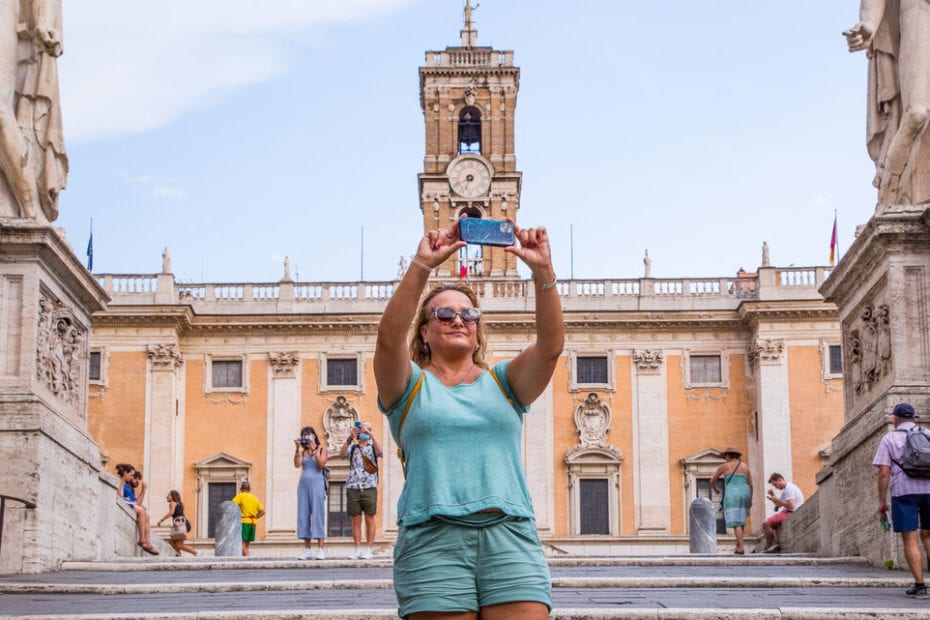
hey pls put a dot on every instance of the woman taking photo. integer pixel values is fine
(467, 540)
(310, 455)
(179, 526)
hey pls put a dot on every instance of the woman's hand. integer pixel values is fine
(533, 250)
(438, 245)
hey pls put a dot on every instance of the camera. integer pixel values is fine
(306, 440)
(486, 232)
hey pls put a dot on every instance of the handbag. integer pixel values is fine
(179, 526)
(325, 471)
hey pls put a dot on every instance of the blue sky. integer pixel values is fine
(237, 132)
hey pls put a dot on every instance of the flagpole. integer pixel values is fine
(362, 257)
(90, 247)
(571, 251)
(837, 236)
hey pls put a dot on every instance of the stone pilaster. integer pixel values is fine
(650, 441)
(770, 370)
(537, 458)
(164, 428)
(283, 427)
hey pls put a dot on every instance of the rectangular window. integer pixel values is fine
(340, 523)
(705, 369)
(341, 371)
(227, 373)
(836, 359)
(595, 513)
(704, 490)
(217, 493)
(93, 374)
(590, 370)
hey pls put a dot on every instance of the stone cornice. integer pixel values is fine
(898, 226)
(753, 313)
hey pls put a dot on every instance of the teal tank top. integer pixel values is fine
(462, 446)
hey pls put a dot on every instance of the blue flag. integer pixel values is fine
(90, 252)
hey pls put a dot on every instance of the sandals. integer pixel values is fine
(738, 552)
(148, 548)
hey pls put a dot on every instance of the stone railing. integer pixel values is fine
(470, 57)
(495, 294)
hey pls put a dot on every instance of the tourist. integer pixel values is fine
(789, 500)
(311, 456)
(910, 497)
(467, 540)
(126, 492)
(180, 526)
(252, 510)
(737, 493)
(363, 453)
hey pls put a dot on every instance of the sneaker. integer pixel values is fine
(320, 555)
(366, 554)
(199, 554)
(919, 590)
(773, 549)
(307, 555)
(357, 555)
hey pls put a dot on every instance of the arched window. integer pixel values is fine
(470, 130)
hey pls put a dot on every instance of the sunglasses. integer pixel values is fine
(469, 316)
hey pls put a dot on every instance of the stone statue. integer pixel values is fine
(32, 148)
(647, 265)
(402, 267)
(165, 261)
(287, 270)
(765, 255)
(894, 35)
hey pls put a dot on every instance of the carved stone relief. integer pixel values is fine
(647, 360)
(61, 351)
(868, 349)
(338, 420)
(284, 364)
(766, 351)
(164, 356)
(592, 418)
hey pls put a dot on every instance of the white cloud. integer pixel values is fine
(131, 67)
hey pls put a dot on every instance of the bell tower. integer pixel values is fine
(469, 96)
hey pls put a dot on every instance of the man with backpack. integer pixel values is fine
(363, 453)
(903, 461)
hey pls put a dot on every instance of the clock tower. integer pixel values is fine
(469, 95)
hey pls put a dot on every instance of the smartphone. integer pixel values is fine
(358, 425)
(486, 232)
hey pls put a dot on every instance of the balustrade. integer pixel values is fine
(794, 283)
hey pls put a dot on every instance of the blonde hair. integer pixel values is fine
(420, 352)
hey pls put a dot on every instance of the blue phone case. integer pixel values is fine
(486, 232)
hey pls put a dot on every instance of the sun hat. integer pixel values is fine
(731, 450)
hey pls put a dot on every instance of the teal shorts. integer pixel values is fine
(445, 566)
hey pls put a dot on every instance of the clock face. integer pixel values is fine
(469, 177)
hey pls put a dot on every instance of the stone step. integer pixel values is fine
(763, 587)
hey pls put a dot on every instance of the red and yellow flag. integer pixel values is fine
(833, 243)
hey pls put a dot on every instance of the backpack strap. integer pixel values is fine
(403, 418)
(501, 386)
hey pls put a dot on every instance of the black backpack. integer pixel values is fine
(916, 460)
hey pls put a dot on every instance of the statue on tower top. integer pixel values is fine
(469, 34)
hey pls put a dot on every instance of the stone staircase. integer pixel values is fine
(736, 587)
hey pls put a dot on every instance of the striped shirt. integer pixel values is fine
(892, 447)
